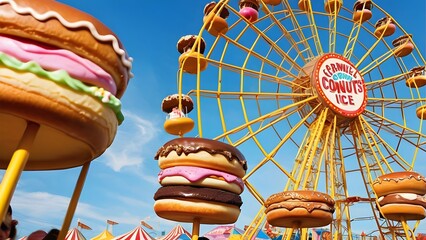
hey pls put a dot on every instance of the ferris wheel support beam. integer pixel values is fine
(364, 166)
(341, 191)
(254, 225)
(308, 151)
(375, 84)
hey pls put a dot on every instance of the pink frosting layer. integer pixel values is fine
(194, 174)
(58, 59)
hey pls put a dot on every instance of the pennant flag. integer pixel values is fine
(143, 223)
(111, 222)
(83, 226)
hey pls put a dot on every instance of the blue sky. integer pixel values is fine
(121, 183)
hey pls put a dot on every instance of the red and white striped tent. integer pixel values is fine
(74, 234)
(136, 234)
(176, 233)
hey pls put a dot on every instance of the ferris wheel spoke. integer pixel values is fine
(250, 52)
(380, 83)
(282, 80)
(299, 31)
(338, 184)
(352, 40)
(284, 139)
(248, 95)
(332, 26)
(286, 110)
(370, 49)
(377, 62)
(409, 135)
(287, 34)
(314, 30)
(268, 40)
(393, 152)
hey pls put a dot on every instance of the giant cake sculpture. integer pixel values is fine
(64, 71)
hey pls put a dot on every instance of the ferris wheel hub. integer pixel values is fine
(338, 85)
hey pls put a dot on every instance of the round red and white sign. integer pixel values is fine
(340, 85)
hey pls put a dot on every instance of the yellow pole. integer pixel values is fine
(289, 233)
(16, 166)
(74, 200)
(196, 229)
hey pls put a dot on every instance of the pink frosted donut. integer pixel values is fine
(249, 13)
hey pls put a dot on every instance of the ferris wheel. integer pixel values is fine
(321, 95)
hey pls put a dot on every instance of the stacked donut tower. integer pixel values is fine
(62, 73)
(201, 179)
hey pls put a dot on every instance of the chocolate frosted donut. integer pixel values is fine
(299, 208)
(401, 195)
(224, 13)
(199, 193)
(202, 152)
(186, 43)
(172, 101)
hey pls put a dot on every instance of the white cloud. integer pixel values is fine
(130, 142)
(46, 210)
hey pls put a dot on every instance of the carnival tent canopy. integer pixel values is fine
(261, 235)
(178, 233)
(136, 234)
(223, 232)
(74, 234)
(105, 235)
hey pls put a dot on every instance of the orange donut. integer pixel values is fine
(216, 23)
(299, 209)
(400, 182)
(362, 12)
(401, 195)
(403, 45)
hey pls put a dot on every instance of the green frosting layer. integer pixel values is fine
(63, 78)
